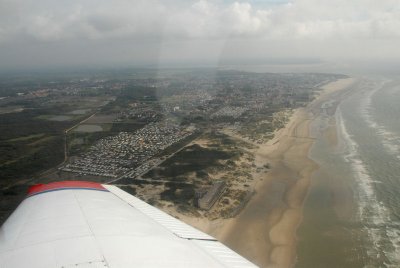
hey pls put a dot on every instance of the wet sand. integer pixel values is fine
(265, 231)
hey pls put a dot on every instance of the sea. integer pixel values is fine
(352, 212)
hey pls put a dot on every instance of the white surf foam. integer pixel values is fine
(389, 140)
(374, 214)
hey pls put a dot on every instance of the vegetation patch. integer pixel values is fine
(191, 159)
(126, 127)
(88, 128)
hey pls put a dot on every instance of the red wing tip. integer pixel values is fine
(39, 188)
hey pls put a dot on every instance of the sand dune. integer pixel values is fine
(265, 231)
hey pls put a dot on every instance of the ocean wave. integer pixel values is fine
(374, 215)
(389, 140)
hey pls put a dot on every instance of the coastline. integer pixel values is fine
(265, 231)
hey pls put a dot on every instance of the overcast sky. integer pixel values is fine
(49, 33)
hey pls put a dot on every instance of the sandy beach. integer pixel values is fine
(265, 231)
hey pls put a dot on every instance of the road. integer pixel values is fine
(66, 135)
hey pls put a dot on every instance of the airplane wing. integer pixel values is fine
(86, 224)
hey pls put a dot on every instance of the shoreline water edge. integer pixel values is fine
(265, 231)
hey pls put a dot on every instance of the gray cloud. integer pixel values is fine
(151, 30)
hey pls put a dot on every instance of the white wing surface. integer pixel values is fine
(84, 224)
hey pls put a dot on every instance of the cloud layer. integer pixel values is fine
(307, 26)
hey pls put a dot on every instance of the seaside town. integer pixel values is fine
(117, 155)
(165, 138)
(196, 144)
